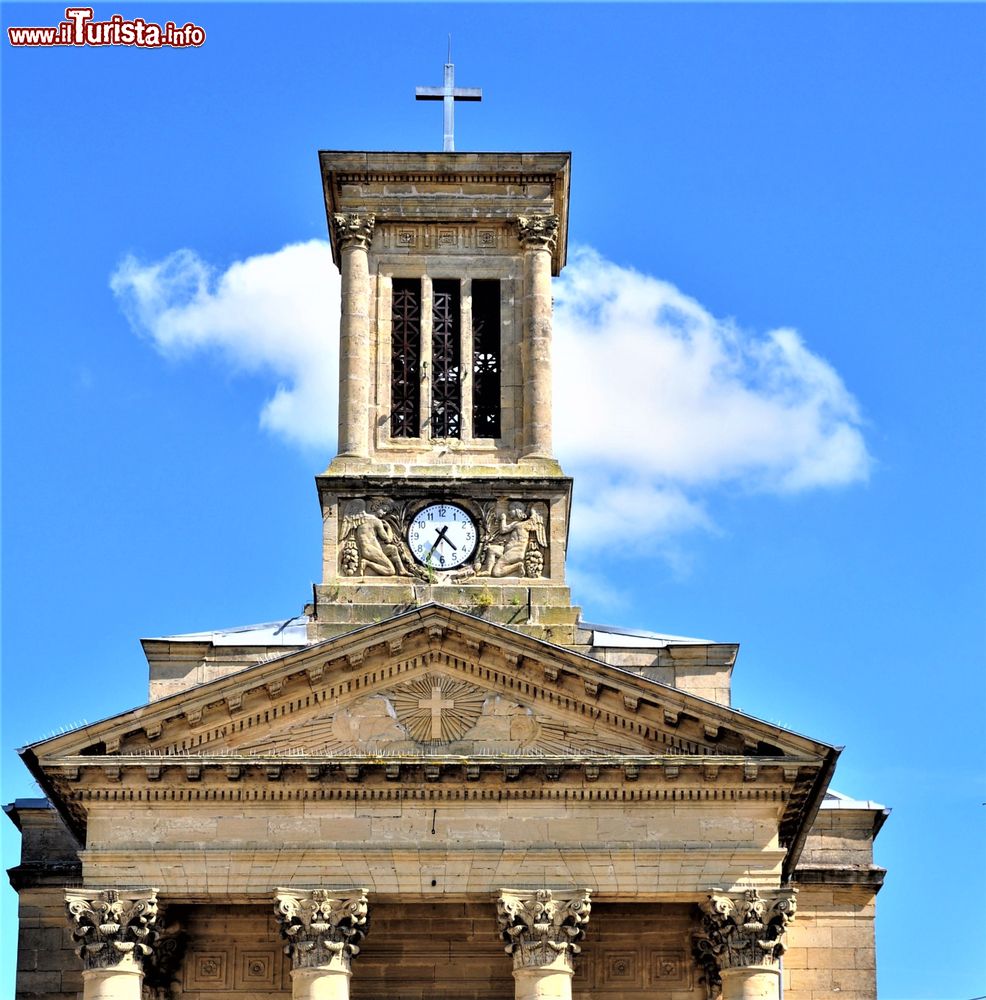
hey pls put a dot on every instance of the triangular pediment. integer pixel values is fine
(431, 681)
(435, 694)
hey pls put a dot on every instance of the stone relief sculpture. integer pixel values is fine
(742, 930)
(353, 229)
(539, 232)
(110, 927)
(513, 540)
(321, 929)
(539, 930)
(438, 709)
(517, 547)
(371, 547)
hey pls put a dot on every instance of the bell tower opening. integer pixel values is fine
(486, 358)
(446, 361)
(405, 359)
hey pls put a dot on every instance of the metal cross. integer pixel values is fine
(436, 703)
(449, 94)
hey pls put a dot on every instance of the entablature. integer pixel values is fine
(448, 187)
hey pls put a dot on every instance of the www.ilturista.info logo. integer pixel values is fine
(79, 28)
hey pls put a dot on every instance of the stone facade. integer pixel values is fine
(438, 781)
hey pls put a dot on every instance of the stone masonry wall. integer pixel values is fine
(831, 948)
(432, 951)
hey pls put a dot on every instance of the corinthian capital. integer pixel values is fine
(742, 929)
(321, 929)
(112, 928)
(540, 930)
(353, 229)
(538, 232)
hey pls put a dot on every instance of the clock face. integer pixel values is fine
(442, 536)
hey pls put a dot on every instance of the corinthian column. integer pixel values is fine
(353, 234)
(538, 234)
(115, 934)
(542, 934)
(741, 941)
(324, 933)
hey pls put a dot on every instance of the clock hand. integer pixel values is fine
(442, 538)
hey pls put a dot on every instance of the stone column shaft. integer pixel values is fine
(465, 360)
(121, 983)
(537, 234)
(353, 233)
(755, 983)
(324, 931)
(115, 933)
(320, 984)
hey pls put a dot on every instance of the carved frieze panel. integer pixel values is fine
(256, 969)
(445, 238)
(632, 968)
(376, 539)
(251, 968)
(669, 968)
(622, 968)
(513, 541)
(208, 970)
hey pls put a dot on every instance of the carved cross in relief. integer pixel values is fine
(436, 703)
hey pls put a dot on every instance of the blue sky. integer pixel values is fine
(781, 216)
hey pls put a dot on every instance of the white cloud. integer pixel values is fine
(276, 313)
(657, 402)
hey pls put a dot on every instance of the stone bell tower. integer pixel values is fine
(445, 487)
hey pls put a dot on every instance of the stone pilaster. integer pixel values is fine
(537, 234)
(542, 933)
(115, 934)
(323, 931)
(741, 941)
(353, 233)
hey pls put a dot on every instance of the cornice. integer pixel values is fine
(870, 878)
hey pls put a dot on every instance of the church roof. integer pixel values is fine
(287, 632)
(836, 800)
(293, 632)
(620, 636)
